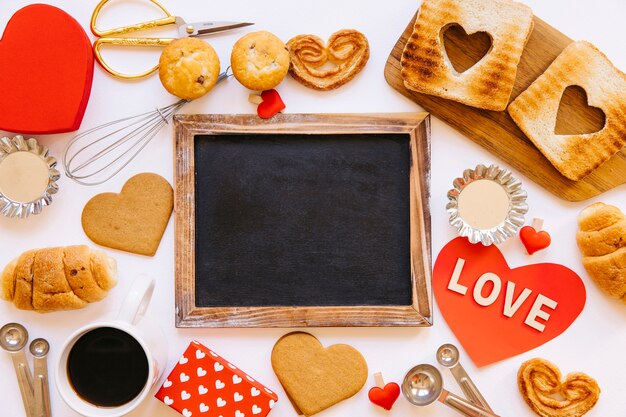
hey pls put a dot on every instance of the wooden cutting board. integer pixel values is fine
(497, 132)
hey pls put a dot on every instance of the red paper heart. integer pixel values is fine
(46, 71)
(384, 397)
(484, 331)
(271, 105)
(534, 241)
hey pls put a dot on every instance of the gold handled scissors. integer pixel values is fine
(106, 37)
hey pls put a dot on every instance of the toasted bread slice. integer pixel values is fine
(486, 85)
(535, 110)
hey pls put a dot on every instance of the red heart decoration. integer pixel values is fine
(271, 105)
(384, 397)
(46, 71)
(534, 241)
(486, 333)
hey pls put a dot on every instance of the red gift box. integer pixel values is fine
(204, 384)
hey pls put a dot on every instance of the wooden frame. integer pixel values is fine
(419, 313)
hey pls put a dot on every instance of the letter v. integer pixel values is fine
(511, 307)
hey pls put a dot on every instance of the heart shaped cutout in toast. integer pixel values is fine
(575, 116)
(462, 50)
(315, 377)
(326, 67)
(540, 384)
(133, 220)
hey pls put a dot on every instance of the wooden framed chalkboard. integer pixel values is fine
(302, 220)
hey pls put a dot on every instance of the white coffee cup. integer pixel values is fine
(147, 335)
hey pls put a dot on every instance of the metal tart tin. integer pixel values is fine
(9, 207)
(513, 215)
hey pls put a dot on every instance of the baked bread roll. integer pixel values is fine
(189, 68)
(488, 84)
(602, 241)
(259, 60)
(60, 278)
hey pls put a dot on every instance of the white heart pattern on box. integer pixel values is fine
(199, 364)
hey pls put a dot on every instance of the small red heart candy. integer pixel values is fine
(385, 397)
(534, 241)
(271, 105)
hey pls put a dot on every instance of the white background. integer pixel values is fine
(593, 344)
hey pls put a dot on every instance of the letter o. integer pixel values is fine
(480, 284)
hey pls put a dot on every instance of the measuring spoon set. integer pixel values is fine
(34, 389)
(423, 385)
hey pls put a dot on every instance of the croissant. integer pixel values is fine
(62, 278)
(602, 241)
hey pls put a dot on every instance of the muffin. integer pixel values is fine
(188, 68)
(259, 61)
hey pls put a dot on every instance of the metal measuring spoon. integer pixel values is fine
(423, 385)
(39, 349)
(13, 339)
(448, 356)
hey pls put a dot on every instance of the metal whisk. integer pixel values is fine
(98, 154)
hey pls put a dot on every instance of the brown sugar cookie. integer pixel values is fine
(188, 68)
(133, 220)
(315, 377)
(540, 384)
(259, 61)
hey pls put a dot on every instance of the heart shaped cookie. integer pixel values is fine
(133, 220)
(46, 73)
(347, 49)
(540, 383)
(315, 377)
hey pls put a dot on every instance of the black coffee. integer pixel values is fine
(107, 367)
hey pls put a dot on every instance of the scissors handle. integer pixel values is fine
(127, 42)
(168, 20)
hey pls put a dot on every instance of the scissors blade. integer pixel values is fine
(204, 28)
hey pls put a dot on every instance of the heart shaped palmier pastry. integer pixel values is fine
(347, 49)
(540, 383)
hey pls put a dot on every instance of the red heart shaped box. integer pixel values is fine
(46, 69)
(486, 333)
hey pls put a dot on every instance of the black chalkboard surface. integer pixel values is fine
(320, 220)
(302, 220)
